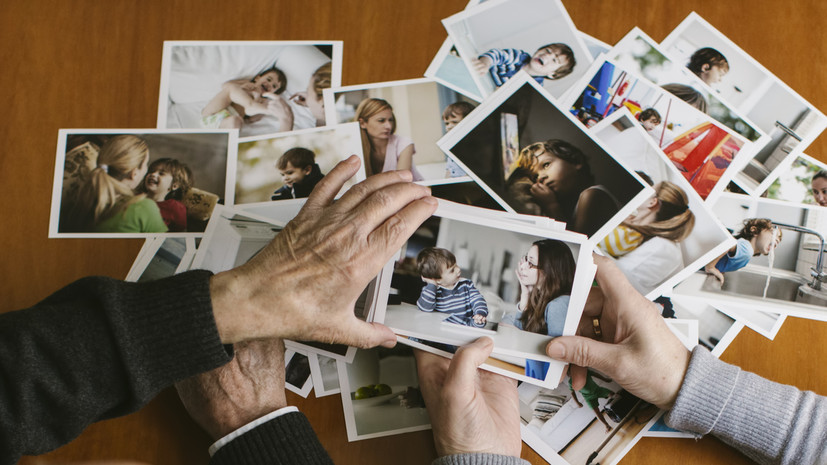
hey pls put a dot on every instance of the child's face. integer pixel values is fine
(292, 175)
(545, 62)
(159, 183)
(527, 272)
(268, 82)
(764, 241)
(451, 121)
(712, 74)
(450, 275)
(556, 173)
(380, 125)
(650, 124)
(820, 191)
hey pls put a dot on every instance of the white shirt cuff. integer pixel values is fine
(253, 424)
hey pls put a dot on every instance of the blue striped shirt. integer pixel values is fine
(506, 63)
(462, 302)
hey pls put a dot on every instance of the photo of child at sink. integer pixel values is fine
(445, 291)
(758, 237)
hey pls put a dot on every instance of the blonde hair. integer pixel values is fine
(104, 194)
(366, 109)
(525, 159)
(673, 220)
(322, 79)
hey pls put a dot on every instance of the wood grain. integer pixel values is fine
(93, 64)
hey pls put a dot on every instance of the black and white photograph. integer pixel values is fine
(381, 395)
(791, 122)
(499, 38)
(257, 87)
(161, 257)
(325, 375)
(297, 377)
(550, 166)
(138, 183)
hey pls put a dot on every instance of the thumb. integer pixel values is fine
(363, 335)
(468, 358)
(585, 352)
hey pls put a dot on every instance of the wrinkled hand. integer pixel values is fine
(636, 348)
(247, 388)
(304, 284)
(471, 410)
(482, 64)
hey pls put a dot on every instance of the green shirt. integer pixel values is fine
(142, 216)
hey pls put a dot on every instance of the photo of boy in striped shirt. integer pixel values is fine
(446, 292)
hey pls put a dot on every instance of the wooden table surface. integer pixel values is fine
(95, 64)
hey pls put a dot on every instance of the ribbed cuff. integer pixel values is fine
(288, 439)
(174, 331)
(479, 459)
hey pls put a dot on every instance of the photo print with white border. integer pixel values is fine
(499, 37)
(289, 165)
(165, 182)
(803, 182)
(598, 424)
(461, 274)
(671, 235)
(297, 377)
(639, 53)
(535, 158)
(755, 274)
(325, 375)
(381, 395)
(258, 87)
(162, 257)
(707, 152)
(789, 120)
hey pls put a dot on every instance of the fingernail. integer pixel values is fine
(389, 344)
(430, 200)
(556, 351)
(405, 175)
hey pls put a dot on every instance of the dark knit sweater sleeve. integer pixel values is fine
(97, 349)
(767, 421)
(287, 439)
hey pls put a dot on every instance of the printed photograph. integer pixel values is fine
(535, 158)
(288, 166)
(381, 395)
(162, 257)
(127, 183)
(700, 147)
(776, 264)
(256, 87)
(499, 38)
(325, 375)
(598, 424)
(765, 323)
(638, 53)
(674, 232)
(791, 122)
(804, 182)
(400, 123)
(297, 373)
(460, 277)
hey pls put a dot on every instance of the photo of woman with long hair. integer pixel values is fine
(546, 276)
(384, 149)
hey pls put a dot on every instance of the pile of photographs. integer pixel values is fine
(681, 160)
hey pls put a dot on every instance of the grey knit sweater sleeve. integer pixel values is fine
(767, 421)
(479, 459)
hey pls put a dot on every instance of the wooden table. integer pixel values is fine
(93, 64)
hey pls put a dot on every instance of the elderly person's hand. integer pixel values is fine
(471, 410)
(623, 335)
(304, 284)
(247, 388)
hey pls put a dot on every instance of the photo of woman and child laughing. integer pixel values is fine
(513, 283)
(139, 183)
